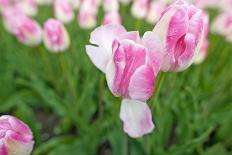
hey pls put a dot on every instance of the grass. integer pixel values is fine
(66, 102)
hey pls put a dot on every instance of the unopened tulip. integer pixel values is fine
(15, 137)
(112, 18)
(87, 15)
(28, 7)
(12, 18)
(139, 8)
(181, 30)
(29, 32)
(55, 36)
(155, 10)
(111, 5)
(200, 57)
(63, 11)
(131, 65)
(223, 24)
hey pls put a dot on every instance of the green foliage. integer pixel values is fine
(66, 102)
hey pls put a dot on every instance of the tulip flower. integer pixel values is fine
(28, 7)
(15, 137)
(12, 18)
(131, 65)
(181, 30)
(111, 5)
(55, 36)
(87, 14)
(29, 32)
(139, 8)
(155, 10)
(63, 11)
(112, 18)
(200, 57)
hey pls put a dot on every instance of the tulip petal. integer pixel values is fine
(155, 48)
(136, 117)
(103, 38)
(142, 83)
(3, 149)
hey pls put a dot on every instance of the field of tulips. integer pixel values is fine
(115, 77)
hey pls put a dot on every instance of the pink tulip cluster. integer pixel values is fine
(131, 63)
(15, 137)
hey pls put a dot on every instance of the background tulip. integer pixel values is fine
(181, 30)
(142, 6)
(154, 12)
(55, 36)
(63, 11)
(29, 32)
(15, 137)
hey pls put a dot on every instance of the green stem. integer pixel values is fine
(67, 75)
(46, 62)
(157, 91)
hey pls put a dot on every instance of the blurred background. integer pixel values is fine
(65, 100)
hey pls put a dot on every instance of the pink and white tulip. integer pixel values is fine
(29, 32)
(55, 36)
(131, 65)
(87, 17)
(15, 137)
(181, 29)
(112, 18)
(139, 8)
(155, 10)
(12, 18)
(63, 11)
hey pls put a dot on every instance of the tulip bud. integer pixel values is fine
(15, 137)
(63, 11)
(87, 14)
(112, 18)
(55, 36)
(12, 18)
(131, 65)
(111, 5)
(29, 32)
(155, 10)
(181, 30)
(139, 8)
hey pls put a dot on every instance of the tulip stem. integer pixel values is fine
(158, 88)
(46, 60)
(67, 75)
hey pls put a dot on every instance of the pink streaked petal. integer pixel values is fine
(102, 38)
(155, 48)
(136, 117)
(3, 149)
(142, 83)
(104, 35)
(127, 58)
